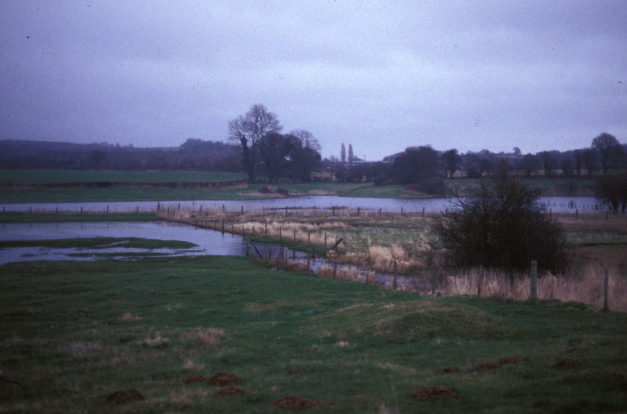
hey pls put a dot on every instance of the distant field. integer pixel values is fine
(78, 176)
(460, 186)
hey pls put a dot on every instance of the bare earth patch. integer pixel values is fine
(489, 365)
(450, 369)
(433, 393)
(194, 378)
(224, 378)
(124, 397)
(566, 363)
(486, 366)
(292, 402)
(224, 392)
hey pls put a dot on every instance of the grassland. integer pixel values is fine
(80, 176)
(73, 333)
(406, 244)
(15, 194)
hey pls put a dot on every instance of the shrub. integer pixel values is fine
(612, 191)
(503, 227)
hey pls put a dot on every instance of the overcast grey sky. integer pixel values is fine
(381, 75)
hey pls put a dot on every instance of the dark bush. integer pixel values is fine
(503, 227)
(611, 190)
(431, 186)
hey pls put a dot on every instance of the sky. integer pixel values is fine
(379, 75)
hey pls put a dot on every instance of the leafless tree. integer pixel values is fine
(249, 129)
(609, 148)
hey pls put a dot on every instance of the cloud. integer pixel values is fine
(380, 75)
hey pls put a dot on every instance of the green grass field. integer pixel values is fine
(461, 186)
(81, 176)
(75, 332)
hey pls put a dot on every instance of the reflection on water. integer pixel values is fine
(556, 204)
(208, 242)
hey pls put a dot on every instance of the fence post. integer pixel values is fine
(394, 283)
(533, 289)
(480, 281)
(606, 283)
(325, 240)
(222, 226)
(294, 234)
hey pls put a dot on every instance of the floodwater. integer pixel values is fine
(555, 204)
(208, 242)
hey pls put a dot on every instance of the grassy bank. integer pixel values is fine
(16, 217)
(73, 333)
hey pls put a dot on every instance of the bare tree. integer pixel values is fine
(249, 129)
(589, 159)
(609, 148)
(307, 139)
(503, 226)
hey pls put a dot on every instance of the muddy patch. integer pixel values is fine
(124, 397)
(566, 363)
(294, 403)
(225, 392)
(222, 379)
(194, 378)
(434, 393)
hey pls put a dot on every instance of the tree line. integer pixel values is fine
(193, 154)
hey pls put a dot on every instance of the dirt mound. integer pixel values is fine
(433, 393)
(614, 376)
(224, 392)
(566, 363)
(489, 365)
(486, 366)
(124, 397)
(450, 369)
(292, 402)
(510, 360)
(224, 378)
(194, 378)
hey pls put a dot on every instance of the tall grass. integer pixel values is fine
(586, 286)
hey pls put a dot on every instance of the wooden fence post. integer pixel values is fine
(533, 288)
(480, 281)
(606, 283)
(394, 282)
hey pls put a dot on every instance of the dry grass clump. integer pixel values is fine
(193, 365)
(157, 341)
(129, 317)
(83, 349)
(586, 287)
(204, 336)
(340, 272)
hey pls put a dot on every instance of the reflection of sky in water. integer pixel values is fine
(557, 204)
(208, 242)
